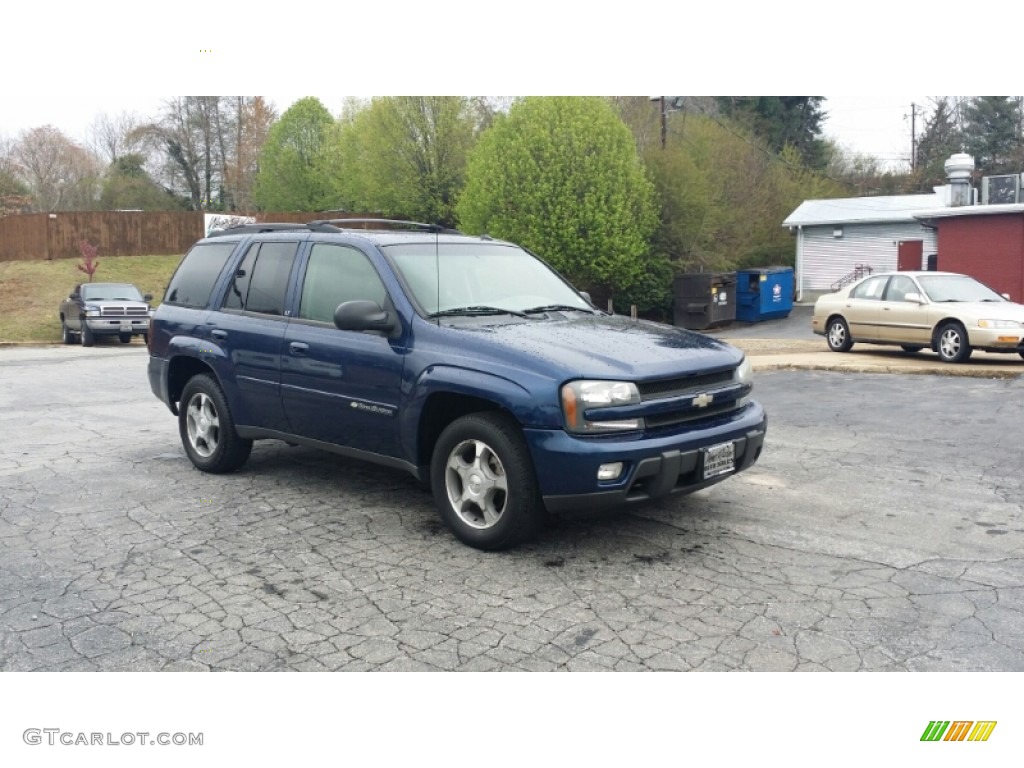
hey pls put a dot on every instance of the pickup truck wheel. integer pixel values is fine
(66, 334)
(483, 482)
(953, 346)
(87, 338)
(207, 429)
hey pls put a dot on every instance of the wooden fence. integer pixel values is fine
(116, 233)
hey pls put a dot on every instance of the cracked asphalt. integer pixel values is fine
(881, 530)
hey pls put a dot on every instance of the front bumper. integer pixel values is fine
(117, 325)
(997, 339)
(566, 466)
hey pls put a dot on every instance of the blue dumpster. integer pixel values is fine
(764, 294)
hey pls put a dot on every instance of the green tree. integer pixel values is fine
(941, 138)
(782, 121)
(293, 173)
(561, 176)
(992, 126)
(127, 185)
(405, 156)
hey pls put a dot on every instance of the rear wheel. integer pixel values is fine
(911, 349)
(125, 338)
(483, 482)
(66, 334)
(838, 335)
(953, 346)
(207, 429)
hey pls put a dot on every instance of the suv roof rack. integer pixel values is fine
(332, 225)
(384, 224)
(248, 229)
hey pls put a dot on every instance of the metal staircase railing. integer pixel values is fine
(858, 272)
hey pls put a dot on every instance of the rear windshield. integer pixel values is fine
(193, 282)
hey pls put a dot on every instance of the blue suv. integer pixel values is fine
(466, 361)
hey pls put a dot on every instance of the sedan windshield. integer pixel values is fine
(481, 278)
(111, 292)
(957, 288)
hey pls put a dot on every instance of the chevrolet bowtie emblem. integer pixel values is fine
(703, 400)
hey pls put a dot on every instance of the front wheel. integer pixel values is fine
(953, 346)
(483, 481)
(207, 429)
(838, 335)
(87, 336)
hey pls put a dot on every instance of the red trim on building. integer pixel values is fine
(989, 248)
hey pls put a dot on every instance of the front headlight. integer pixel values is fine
(581, 398)
(999, 324)
(744, 373)
(91, 310)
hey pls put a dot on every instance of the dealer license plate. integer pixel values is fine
(719, 459)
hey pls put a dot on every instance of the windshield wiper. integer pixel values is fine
(557, 308)
(478, 309)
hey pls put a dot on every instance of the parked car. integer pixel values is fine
(466, 361)
(104, 309)
(948, 313)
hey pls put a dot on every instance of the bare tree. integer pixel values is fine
(61, 174)
(114, 137)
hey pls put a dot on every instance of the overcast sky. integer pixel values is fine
(67, 62)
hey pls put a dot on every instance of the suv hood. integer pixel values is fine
(598, 346)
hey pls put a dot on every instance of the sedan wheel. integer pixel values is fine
(953, 346)
(911, 349)
(838, 335)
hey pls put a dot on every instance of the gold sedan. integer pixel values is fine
(949, 313)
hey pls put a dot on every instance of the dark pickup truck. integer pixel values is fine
(466, 361)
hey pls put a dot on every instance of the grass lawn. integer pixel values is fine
(31, 291)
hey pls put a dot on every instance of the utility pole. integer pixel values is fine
(664, 123)
(913, 137)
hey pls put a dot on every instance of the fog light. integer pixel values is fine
(609, 471)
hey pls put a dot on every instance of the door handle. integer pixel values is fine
(218, 334)
(298, 348)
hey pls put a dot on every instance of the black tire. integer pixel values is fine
(66, 335)
(125, 338)
(207, 429)
(1021, 354)
(951, 343)
(911, 349)
(838, 335)
(88, 339)
(483, 482)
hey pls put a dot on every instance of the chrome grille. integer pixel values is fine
(124, 312)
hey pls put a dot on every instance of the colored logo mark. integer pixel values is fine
(958, 730)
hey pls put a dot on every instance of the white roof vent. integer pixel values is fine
(959, 167)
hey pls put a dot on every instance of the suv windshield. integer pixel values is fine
(111, 292)
(479, 276)
(957, 288)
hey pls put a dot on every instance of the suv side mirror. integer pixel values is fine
(363, 315)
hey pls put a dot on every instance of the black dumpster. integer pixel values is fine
(704, 300)
(764, 294)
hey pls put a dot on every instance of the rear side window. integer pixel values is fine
(261, 282)
(193, 281)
